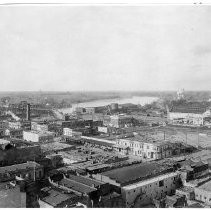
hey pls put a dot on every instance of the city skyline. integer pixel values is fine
(112, 48)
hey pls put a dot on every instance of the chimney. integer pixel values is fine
(28, 112)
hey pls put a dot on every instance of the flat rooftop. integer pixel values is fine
(150, 140)
(130, 174)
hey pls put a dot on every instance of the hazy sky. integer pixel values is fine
(105, 48)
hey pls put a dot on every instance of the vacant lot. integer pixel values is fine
(192, 138)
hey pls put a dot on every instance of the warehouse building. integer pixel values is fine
(141, 183)
(37, 136)
(191, 114)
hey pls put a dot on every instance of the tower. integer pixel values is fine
(28, 112)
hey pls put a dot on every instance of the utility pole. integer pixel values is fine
(198, 136)
(34, 171)
(186, 137)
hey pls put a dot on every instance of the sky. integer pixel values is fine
(105, 48)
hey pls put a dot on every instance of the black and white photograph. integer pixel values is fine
(105, 105)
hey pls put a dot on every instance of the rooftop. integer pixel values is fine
(10, 196)
(189, 108)
(54, 197)
(186, 189)
(86, 180)
(18, 167)
(206, 186)
(76, 186)
(150, 140)
(192, 163)
(130, 174)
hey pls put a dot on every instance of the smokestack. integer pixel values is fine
(28, 112)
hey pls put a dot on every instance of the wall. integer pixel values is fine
(29, 136)
(143, 192)
(202, 195)
(44, 204)
(196, 118)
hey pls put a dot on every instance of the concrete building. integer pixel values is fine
(39, 126)
(90, 110)
(203, 193)
(147, 147)
(102, 129)
(13, 133)
(188, 114)
(121, 121)
(68, 132)
(191, 170)
(22, 124)
(37, 136)
(140, 184)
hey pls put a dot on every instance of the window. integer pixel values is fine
(161, 183)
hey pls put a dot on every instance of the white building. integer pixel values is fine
(37, 136)
(121, 121)
(68, 132)
(102, 129)
(146, 148)
(189, 115)
(39, 126)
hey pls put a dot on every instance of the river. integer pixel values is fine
(133, 100)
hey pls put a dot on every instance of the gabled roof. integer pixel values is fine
(76, 186)
(86, 180)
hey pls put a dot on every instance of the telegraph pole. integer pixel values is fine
(186, 137)
(198, 136)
